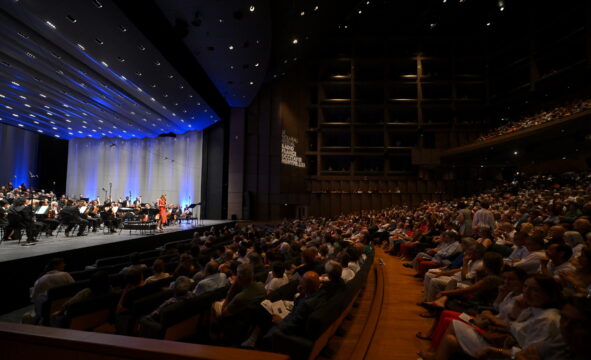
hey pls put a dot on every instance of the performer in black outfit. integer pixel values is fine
(71, 216)
(21, 216)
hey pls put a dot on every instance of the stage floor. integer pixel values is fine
(11, 250)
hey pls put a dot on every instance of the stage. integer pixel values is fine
(22, 265)
(11, 250)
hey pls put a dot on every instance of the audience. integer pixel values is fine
(473, 255)
(542, 117)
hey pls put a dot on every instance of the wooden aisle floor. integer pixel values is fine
(394, 338)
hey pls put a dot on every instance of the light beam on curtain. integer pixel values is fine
(143, 167)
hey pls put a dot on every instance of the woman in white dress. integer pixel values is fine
(538, 323)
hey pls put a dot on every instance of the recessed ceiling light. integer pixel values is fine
(81, 46)
(36, 122)
(251, 8)
(231, 47)
(27, 105)
(50, 24)
(104, 63)
(21, 125)
(43, 96)
(15, 83)
(251, 83)
(294, 41)
(8, 107)
(302, 13)
(256, 65)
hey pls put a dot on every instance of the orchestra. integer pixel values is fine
(39, 212)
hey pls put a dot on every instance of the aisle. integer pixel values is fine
(395, 335)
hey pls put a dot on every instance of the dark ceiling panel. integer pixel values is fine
(75, 68)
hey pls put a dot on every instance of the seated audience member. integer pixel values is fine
(54, 276)
(578, 282)
(244, 294)
(181, 289)
(504, 234)
(538, 323)
(185, 267)
(309, 300)
(158, 272)
(582, 226)
(332, 282)
(98, 286)
(309, 263)
(445, 273)
(574, 327)
(439, 256)
(276, 278)
(202, 262)
(504, 305)
(347, 274)
(132, 279)
(256, 261)
(136, 263)
(462, 277)
(213, 279)
(575, 241)
(535, 248)
(481, 293)
(519, 250)
(555, 235)
(484, 236)
(557, 261)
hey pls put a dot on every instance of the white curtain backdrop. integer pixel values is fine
(143, 167)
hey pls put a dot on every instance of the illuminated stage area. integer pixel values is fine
(57, 245)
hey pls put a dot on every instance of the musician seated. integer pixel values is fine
(86, 215)
(109, 218)
(71, 216)
(3, 213)
(20, 216)
(45, 213)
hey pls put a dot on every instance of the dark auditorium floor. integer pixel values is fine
(394, 338)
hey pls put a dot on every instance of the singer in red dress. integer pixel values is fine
(163, 213)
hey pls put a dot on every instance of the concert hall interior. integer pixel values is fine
(302, 179)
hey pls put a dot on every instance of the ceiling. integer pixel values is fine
(80, 68)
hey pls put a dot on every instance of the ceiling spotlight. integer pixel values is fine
(50, 24)
(515, 152)
(316, 8)
(43, 96)
(256, 65)
(104, 63)
(302, 13)
(294, 41)
(251, 8)
(367, 3)
(231, 47)
(488, 23)
(251, 83)
(359, 11)
(15, 83)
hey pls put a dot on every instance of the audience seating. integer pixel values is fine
(323, 322)
(92, 315)
(180, 321)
